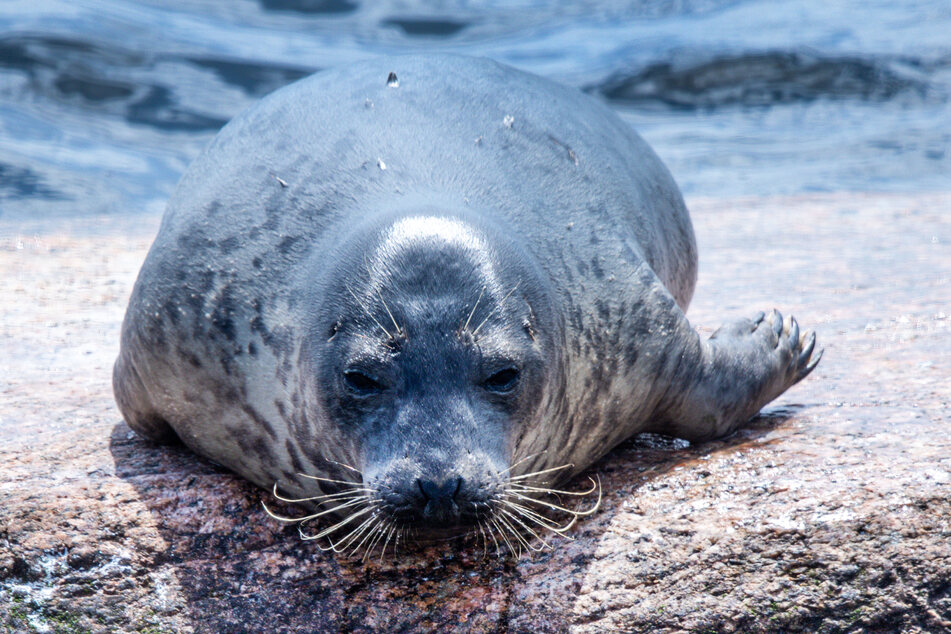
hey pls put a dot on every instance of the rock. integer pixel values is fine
(831, 511)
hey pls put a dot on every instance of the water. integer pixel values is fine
(103, 104)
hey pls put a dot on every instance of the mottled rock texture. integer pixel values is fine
(830, 512)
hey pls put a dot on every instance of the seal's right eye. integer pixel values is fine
(361, 384)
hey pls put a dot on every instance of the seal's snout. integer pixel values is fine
(433, 501)
(434, 496)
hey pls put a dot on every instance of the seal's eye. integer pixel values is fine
(360, 384)
(502, 381)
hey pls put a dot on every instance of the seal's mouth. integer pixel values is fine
(519, 517)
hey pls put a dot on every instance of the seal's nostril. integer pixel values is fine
(422, 489)
(444, 492)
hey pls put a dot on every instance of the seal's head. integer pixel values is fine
(433, 350)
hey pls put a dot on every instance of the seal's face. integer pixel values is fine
(433, 362)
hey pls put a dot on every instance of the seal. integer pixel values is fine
(418, 292)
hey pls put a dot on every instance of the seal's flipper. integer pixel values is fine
(729, 377)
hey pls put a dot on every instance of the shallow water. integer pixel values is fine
(103, 104)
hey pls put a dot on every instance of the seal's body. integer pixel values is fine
(442, 272)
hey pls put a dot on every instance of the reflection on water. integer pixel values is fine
(103, 104)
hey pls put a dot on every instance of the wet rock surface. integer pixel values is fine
(831, 511)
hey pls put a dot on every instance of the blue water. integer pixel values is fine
(103, 104)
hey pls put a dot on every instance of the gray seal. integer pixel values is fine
(417, 292)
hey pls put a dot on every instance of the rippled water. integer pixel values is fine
(103, 104)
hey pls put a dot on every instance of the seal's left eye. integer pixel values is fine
(502, 381)
(361, 384)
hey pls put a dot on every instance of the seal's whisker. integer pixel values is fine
(529, 457)
(281, 518)
(494, 308)
(328, 496)
(366, 529)
(325, 549)
(488, 528)
(536, 515)
(387, 541)
(346, 495)
(526, 488)
(347, 540)
(399, 329)
(512, 517)
(596, 484)
(541, 520)
(330, 530)
(557, 507)
(554, 493)
(312, 477)
(372, 537)
(485, 541)
(370, 314)
(380, 531)
(503, 535)
(332, 546)
(538, 473)
(346, 466)
(465, 327)
(340, 524)
(518, 535)
(396, 545)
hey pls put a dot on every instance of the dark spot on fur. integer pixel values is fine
(195, 241)
(197, 304)
(576, 319)
(252, 349)
(171, 310)
(227, 362)
(228, 244)
(155, 335)
(273, 218)
(295, 456)
(254, 445)
(596, 267)
(631, 352)
(257, 326)
(205, 280)
(190, 357)
(223, 316)
(260, 420)
(287, 244)
(256, 263)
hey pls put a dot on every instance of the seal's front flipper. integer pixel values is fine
(732, 375)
